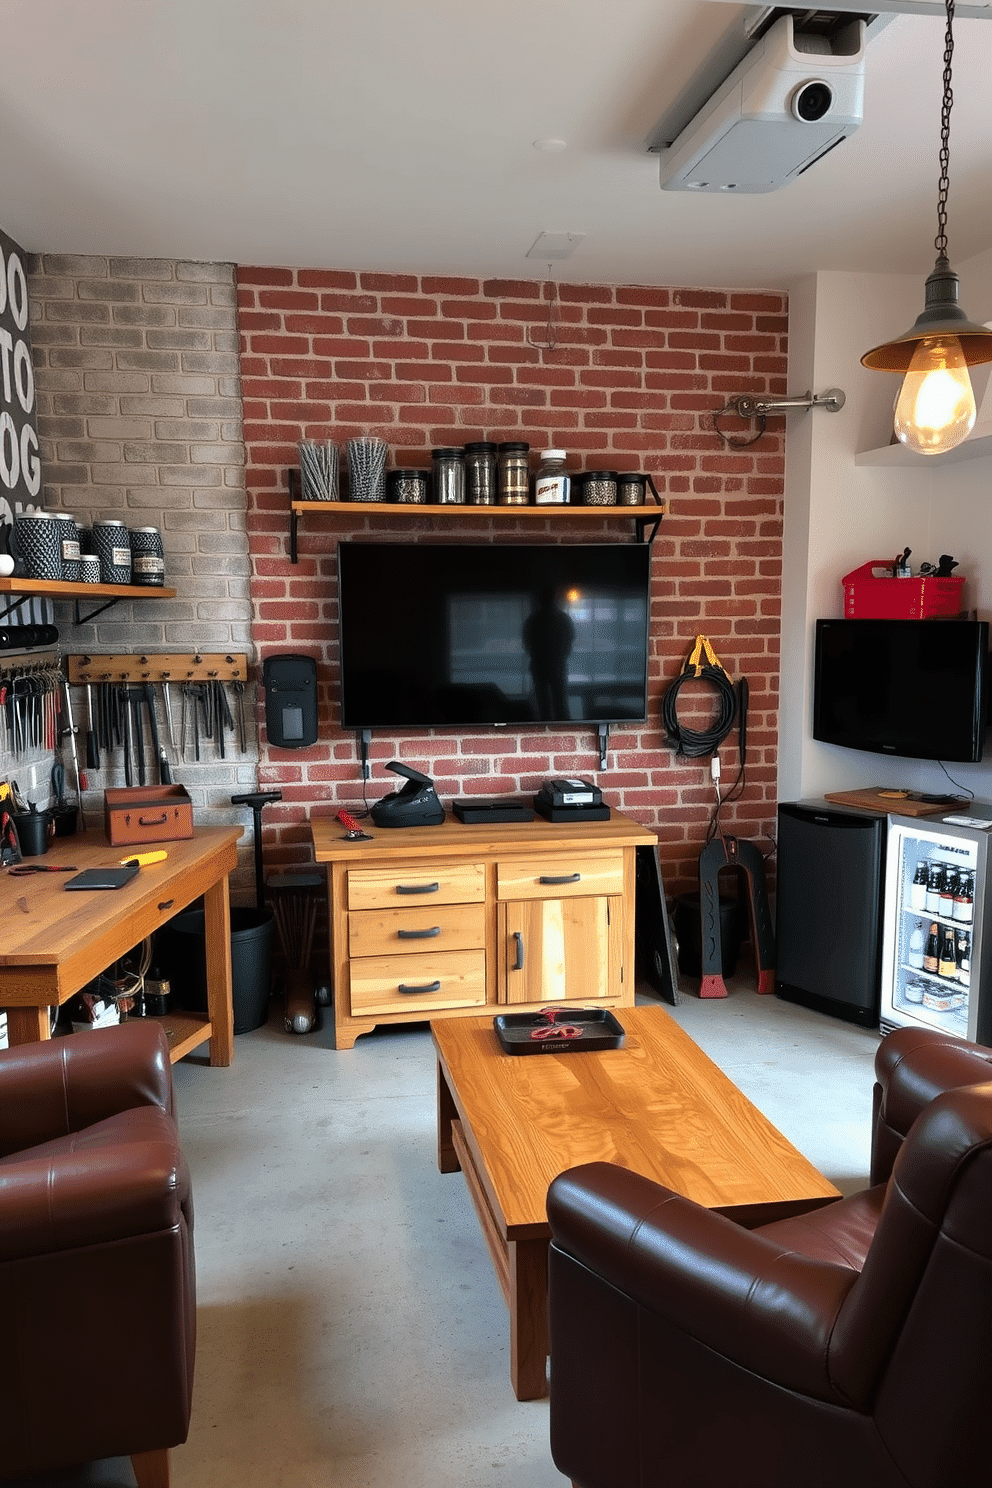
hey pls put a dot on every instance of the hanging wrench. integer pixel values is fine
(81, 782)
(168, 719)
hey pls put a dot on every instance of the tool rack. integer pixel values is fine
(198, 666)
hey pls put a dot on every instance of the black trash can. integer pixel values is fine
(688, 930)
(182, 948)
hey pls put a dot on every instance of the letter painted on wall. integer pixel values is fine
(20, 463)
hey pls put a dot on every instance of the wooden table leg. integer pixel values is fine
(447, 1159)
(27, 1025)
(528, 1318)
(217, 927)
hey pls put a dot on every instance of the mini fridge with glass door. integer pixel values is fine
(937, 924)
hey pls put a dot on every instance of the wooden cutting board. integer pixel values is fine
(883, 800)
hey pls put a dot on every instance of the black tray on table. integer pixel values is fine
(600, 1030)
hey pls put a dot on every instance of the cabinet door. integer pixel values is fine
(560, 950)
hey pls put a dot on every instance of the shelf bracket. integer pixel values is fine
(85, 619)
(14, 604)
(642, 525)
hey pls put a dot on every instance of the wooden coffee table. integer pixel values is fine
(657, 1105)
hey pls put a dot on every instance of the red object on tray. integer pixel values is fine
(868, 596)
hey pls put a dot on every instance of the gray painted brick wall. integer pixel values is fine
(139, 418)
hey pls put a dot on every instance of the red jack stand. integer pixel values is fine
(729, 852)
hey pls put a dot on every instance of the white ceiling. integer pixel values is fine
(399, 135)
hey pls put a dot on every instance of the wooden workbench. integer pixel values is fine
(54, 941)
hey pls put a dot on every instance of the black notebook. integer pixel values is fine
(102, 878)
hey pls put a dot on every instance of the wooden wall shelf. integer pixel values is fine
(647, 516)
(56, 589)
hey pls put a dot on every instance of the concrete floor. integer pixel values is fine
(351, 1331)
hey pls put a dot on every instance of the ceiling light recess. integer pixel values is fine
(554, 247)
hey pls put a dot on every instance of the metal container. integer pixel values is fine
(89, 568)
(147, 557)
(112, 545)
(69, 536)
(514, 473)
(449, 476)
(38, 540)
(481, 482)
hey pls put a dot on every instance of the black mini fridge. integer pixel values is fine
(831, 870)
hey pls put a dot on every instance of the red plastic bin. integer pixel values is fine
(870, 597)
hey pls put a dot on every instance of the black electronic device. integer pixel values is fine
(570, 813)
(290, 684)
(474, 813)
(915, 688)
(466, 634)
(415, 805)
(571, 792)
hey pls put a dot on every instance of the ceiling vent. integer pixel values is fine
(793, 98)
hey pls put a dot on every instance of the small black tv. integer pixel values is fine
(915, 688)
(465, 634)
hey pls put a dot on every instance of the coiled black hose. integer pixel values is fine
(699, 743)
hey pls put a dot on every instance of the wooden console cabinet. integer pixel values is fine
(452, 920)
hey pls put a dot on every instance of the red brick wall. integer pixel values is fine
(632, 381)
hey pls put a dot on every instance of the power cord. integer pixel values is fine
(737, 789)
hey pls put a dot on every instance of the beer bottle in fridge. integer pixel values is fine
(931, 955)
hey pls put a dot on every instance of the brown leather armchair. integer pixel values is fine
(97, 1283)
(848, 1348)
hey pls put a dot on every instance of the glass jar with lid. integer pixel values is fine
(599, 488)
(448, 467)
(551, 484)
(480, 473)
(514, 473)
(631, 488)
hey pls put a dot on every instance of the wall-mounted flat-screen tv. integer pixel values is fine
(481, 633)
(917, 688)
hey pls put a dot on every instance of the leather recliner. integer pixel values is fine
(850, 1347)
(98, 1310)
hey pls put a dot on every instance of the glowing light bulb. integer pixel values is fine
(935, 409)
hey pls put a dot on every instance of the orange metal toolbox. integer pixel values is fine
(870, 597)
(147, 813)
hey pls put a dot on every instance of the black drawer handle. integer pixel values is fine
(518, 964)
(419, 934)
(430, 987)
(551, 878)
(167, 903)
(417, 888)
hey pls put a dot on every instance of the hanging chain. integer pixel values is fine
(943, 185)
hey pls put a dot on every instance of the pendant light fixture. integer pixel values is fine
(935, 409)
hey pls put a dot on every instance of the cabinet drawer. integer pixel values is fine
(549, 876)
(421, 931)
(429, 883)
(418, 985)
